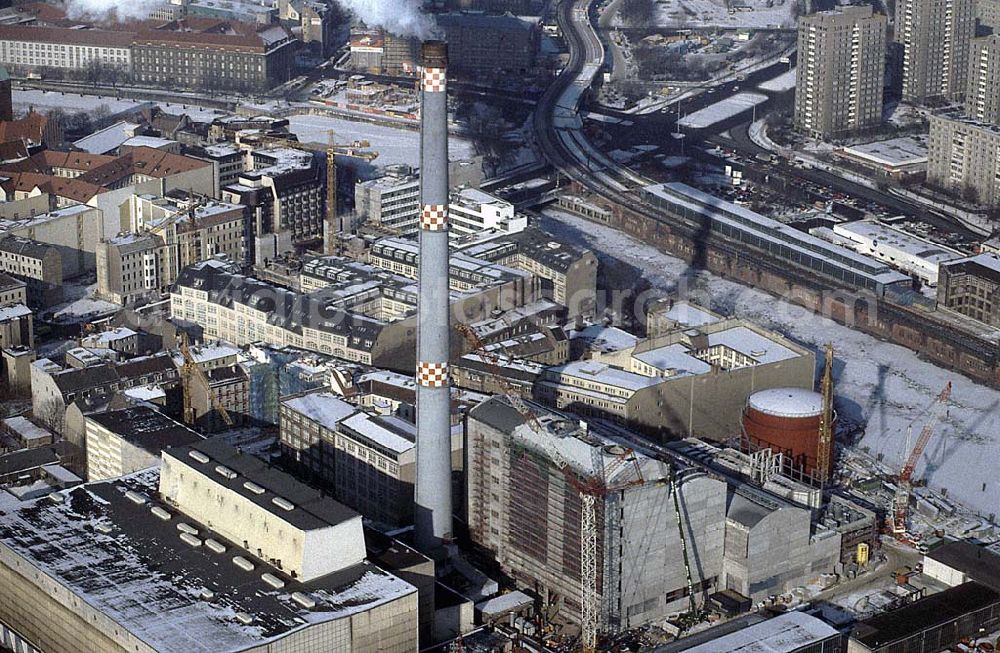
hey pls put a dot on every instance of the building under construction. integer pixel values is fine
(551, 498)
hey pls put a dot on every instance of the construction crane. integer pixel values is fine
(904, 484)
(675, 491)
(824, 455)
(189, 371)
(589, 488)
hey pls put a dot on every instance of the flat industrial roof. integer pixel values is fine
(142, 575)
(978, 562)
(932, 611)
(786, 633)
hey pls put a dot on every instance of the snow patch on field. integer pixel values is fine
(393, 145)
(883, 385)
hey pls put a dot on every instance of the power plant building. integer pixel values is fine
(524, 496)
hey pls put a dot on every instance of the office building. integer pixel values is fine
(841, 71)
(971, 286)
(935, 36)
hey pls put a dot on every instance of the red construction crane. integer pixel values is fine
(904, 485)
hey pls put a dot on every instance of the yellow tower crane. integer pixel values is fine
(190, 370)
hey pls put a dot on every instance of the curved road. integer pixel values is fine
(559, 129)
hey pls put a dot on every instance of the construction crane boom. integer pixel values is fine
(189, 371)
(904, 483)
(824, 457)
(675, 491)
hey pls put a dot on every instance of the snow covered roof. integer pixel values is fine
(138, 571)
(690, 315)
(787, 402)
(590, 370)
(108, 139)
(508, 602)
(13, 312)
(786, 633)
(750, 343)
(893, 152)
(722, 110)
(675, 357)
(26, 429)
(324, 408)
(388, 434)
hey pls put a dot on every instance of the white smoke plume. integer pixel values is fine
(122, 10)
(399, 17)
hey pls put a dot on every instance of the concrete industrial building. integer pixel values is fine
(841, 71)
(689, 382)
(489, 45)
(254, 561)
(794, 632)
(982, 95)
(524, 495)
(964, 158)
(971, 286)
(935, 36)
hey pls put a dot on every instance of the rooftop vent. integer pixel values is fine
(187, 528)
(160, 512)
(188, 538)
(285, 504)
(199, 456)
(135, 497)
(215, 545)
(273, 581)
(206, 595)
(253, 487)
(244, 618)
(304, 600)
(243, 563)
(222, 470)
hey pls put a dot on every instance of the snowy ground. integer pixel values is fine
(883, 385)
(393, 145)
(714, 13)
(722, 110)
(783, 82)
(74, 102)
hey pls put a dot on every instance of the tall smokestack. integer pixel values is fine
(433, 487)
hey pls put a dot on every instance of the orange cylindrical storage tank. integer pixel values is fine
(786, 420)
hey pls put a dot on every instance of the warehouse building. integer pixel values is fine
(689, 382)
(265, 564)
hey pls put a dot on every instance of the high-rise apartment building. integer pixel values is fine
(963, 156)
(982, 95)
(841, 71)
(935, 35)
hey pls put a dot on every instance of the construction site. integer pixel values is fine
(622, 540)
